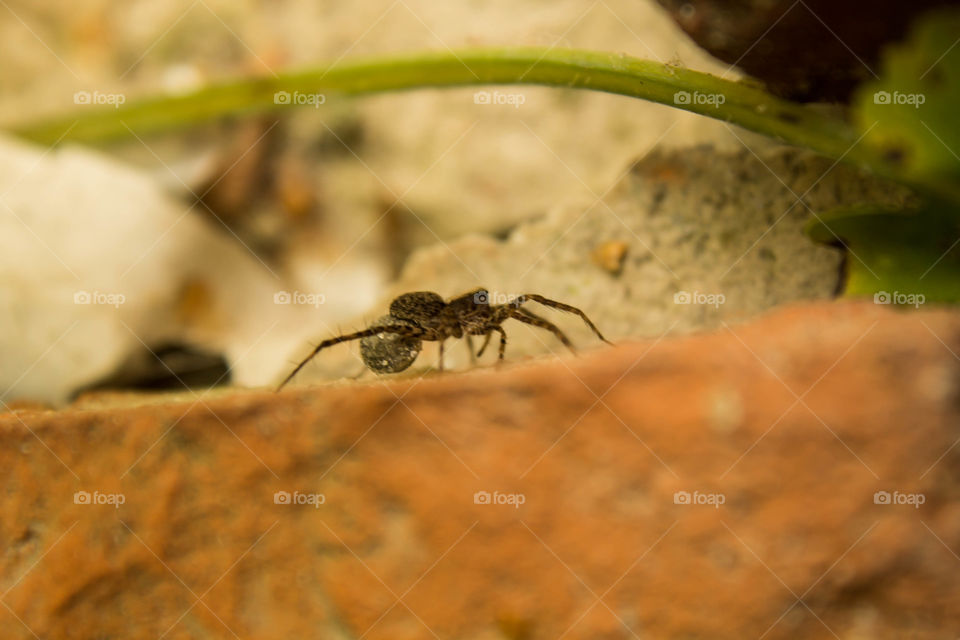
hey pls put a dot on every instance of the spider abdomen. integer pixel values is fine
(418, 306)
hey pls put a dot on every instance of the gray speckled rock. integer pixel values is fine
(712, 237)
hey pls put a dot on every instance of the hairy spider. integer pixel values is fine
(393, 342)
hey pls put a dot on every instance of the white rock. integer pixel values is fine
(95, 260)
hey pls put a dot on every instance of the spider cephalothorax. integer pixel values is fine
(392, 343)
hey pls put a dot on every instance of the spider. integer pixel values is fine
(393, 341)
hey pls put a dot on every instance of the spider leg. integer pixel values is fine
(486, 341)
(565, 307)
(473, 358)
(503, 341)
(441, 356)
(531, 314)
(528, 318)
(329, 342)
(487, 332)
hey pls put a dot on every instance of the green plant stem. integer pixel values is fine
(743, 105)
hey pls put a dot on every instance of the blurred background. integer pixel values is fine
(219, 254)
(198, 231)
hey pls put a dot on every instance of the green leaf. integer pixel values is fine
(905, 256)
(739, 103)
(910, 114)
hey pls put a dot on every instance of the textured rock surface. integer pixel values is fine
(792, 422)
(709, 237)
